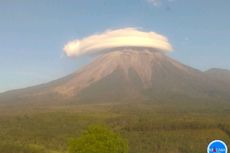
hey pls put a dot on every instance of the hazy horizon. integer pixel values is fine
(35, 33)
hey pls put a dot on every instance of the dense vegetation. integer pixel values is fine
(98, 139)
(148, 128)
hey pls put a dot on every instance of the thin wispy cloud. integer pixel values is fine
(154, 2)
(158, 3)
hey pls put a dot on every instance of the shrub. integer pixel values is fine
(98, 139)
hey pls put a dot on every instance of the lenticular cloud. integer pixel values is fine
(120, 38)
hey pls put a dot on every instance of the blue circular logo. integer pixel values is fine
(217, 146)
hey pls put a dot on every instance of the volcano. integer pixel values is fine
(127, 75)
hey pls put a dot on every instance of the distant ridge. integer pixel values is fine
(217, 74)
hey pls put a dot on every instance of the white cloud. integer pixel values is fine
(112, 39)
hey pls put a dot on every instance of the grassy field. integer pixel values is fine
(149, 128)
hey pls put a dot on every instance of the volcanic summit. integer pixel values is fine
(127, 75)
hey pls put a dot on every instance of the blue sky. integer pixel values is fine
(33, 33)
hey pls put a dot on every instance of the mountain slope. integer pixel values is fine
(220, 75)
(152, 76)
(127, 75)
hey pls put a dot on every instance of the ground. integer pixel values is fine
(148, 127)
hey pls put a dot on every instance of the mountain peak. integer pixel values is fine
(128, 73)
(124, 60)
(145, 65)
(135, 52)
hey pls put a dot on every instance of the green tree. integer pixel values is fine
(98, 139)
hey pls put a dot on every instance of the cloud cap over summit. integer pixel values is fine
(119, 38)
